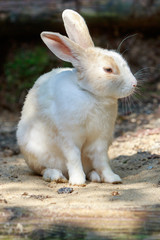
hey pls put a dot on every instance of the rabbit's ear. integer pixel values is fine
(62, 47)
(76, 28)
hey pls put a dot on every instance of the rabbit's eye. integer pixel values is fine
(108, 70)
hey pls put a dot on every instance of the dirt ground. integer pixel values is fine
(33, 209)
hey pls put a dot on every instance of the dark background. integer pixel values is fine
(23, 56)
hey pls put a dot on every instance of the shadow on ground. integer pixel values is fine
(147, 226)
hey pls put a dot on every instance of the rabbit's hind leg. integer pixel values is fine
(93, 176)
(55, 175)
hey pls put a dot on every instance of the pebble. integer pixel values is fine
(19, 227)
(3, 201)
(25, 194)
(149, 167)
(65, 190)
(115, 193)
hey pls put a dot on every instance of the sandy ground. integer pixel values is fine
(137, 161)
(135, 156)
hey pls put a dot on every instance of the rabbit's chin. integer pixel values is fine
(125, 94)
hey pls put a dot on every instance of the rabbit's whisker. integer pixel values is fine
(119, 47)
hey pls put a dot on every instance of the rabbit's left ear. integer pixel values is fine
(76, 28)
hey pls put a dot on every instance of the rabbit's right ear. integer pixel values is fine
(76, 28)
(63, 47)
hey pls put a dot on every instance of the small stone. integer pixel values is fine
(149, 167)
(65, 190)
(115, 193)
(24, 194)
(3, 201)
(19, 227)
(133, 120)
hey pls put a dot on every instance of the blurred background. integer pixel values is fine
(24, 57)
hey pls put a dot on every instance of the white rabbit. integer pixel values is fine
(69, 115)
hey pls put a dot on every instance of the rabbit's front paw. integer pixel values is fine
(112, 178)
(77, 179)
(54, 175)
(93, 176)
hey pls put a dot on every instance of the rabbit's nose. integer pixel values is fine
(134, 83)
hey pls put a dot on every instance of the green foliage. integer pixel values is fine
(22, 70)
(25, 67)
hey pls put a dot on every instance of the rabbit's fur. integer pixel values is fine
(68, 117)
